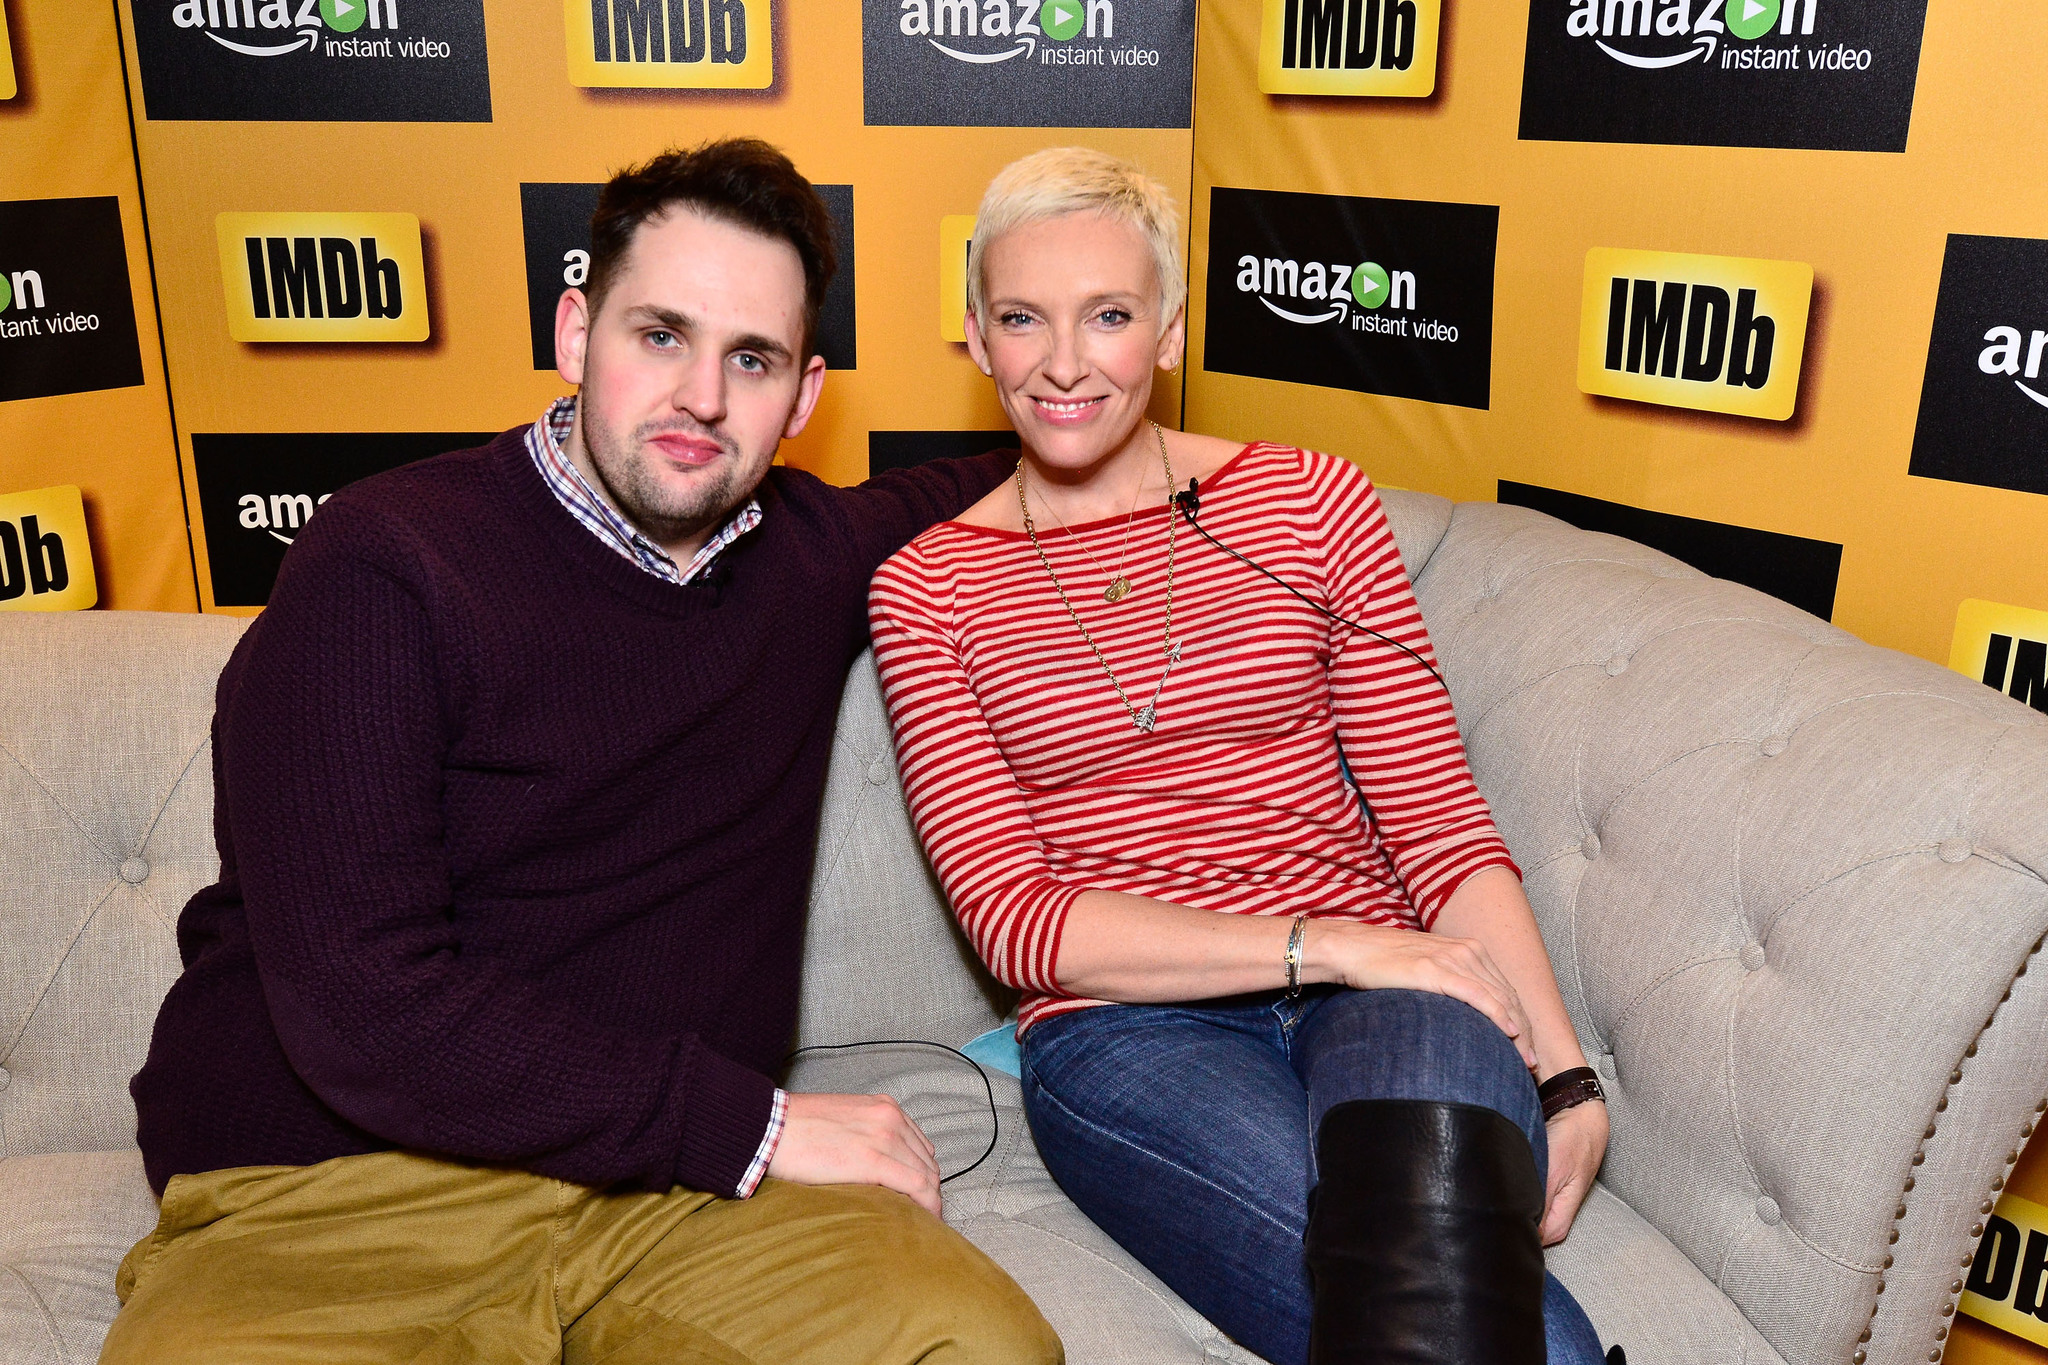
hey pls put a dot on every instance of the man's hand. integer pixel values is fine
(1578, 1140)
(856, 1140)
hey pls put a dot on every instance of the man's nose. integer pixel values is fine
(700, 389)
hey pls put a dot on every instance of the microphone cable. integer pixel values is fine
(994, 1116)
(1189, 503)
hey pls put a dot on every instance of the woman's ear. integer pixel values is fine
(1173, 342)
(976, 347)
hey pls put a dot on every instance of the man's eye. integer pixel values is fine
(660, 339)
(752, 364)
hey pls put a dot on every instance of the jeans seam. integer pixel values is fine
(1143, 1150)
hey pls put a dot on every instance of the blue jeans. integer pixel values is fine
(1187, 1133)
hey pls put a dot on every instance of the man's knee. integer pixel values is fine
(962, 1305)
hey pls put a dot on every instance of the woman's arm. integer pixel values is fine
(1489, 909)
(1139, 951)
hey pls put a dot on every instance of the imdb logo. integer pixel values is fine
(670, 44)
(45, 557)
(1717, 333)
(1349, 47)
(323, 276)
(956, 235)
(8, 88)
(2007, 648)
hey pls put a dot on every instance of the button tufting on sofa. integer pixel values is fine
(1775, 745)
(1590, 846)
(1617, 666)
(134, 870)
(1954, 850)
(1752, 956)
(1767, 1211)
(5, 1077)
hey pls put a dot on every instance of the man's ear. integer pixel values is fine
(808, 387)
(1173, 342)
(572, 334)
(976, 347)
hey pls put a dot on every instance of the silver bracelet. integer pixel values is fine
(1294, 955)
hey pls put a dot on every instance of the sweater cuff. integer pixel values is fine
(726, 1109)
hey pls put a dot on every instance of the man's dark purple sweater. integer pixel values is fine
(515, 837)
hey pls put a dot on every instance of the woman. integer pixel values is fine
(1281, 1033)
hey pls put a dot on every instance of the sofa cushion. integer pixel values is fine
(107, 788)
(1108, 1309)
(68, 1220)
(1645, 1296)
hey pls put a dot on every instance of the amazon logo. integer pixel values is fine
(1311, 292)
(2004, 357)
(275, 28)
(945, 24)
(1652, 35)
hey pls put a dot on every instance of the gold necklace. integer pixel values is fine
(1147, 716)
(1119, 586)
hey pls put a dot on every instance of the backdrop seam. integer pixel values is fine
(156, 302)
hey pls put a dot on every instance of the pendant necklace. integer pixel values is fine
(1145, 717)
(1119, 586)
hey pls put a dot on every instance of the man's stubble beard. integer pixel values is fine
(664, 515)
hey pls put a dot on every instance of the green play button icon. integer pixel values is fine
(1369, 285)
(346, 16)
(1752, 18)
(1060, 19)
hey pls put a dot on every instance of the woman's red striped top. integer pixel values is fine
(1030, 784)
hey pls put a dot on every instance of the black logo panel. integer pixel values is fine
(1984, 403)
(1387, 296)
(257, 491)
(67, 320)
(1790, 568)
(329, 61)
(557, 225)
(1831, 75)
(907, 449)
(1029, 63)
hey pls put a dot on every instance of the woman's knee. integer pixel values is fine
(1417, 1045)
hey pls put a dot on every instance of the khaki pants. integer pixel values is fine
(393, 1257)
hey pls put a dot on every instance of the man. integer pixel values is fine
(518, 782)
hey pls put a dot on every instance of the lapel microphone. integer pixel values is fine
(1188, 503)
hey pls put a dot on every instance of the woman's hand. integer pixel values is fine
(1578, 1140)
(1373, 957)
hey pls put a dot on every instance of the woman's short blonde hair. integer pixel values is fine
(1063, 180)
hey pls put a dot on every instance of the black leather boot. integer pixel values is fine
(1423, 1241)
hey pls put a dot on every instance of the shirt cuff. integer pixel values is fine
(769, 1141)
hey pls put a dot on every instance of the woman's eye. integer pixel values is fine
(1113, 317)
(1016, 319)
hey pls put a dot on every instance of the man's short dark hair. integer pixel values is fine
(740, 180)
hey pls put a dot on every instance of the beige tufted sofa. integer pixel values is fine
(1792, 885)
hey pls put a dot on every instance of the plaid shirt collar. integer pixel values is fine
(544, 443)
